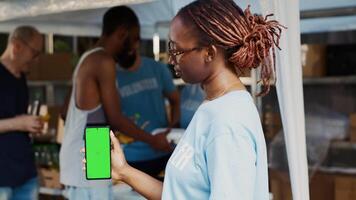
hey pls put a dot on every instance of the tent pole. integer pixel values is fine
(49, 43)
(75, 44)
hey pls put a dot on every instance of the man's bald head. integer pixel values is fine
(24, 33)
(25, 44)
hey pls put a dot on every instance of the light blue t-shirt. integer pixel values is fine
(222, 154)
(142, 100)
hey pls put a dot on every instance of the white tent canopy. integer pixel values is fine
(83, 17)
(12, 9)
(79, 18)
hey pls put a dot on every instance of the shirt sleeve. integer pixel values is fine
(231, 165)
(166, 79)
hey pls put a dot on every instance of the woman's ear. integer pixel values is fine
(211, 52)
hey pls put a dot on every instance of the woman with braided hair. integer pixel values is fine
(222, 154)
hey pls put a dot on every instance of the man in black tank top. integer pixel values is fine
(17, 169)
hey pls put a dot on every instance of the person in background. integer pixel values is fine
(18, 175)
(222, 154)
(191, 96)
(143, 86)
(95, 100)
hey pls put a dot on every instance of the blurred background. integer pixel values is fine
(328, 57)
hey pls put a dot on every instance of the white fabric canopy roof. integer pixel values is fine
(11, 9)
(83, 17)
(79, 17)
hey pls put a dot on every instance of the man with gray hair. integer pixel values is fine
(17, 169)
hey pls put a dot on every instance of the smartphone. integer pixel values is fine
(97, 152)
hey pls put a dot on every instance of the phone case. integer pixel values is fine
(98, 165)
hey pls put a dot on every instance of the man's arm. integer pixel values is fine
(110, 99)
(26, 123)
(174, 102)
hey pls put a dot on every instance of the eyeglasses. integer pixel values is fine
(35, 52)
(176, 54)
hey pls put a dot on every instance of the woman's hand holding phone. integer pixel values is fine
(118, 161)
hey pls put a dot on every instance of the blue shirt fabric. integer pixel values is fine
(222, 154)
(191, 96)
(17, 164)
(142, 100)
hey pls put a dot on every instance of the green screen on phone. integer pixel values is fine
(97, 153)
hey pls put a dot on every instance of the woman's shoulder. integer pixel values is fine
(234, 113)
(228, 105)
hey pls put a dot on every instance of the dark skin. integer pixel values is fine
(206, 66)
(96, 84)
(210, 68)
(173, 97)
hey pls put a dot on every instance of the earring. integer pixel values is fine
(178, 74)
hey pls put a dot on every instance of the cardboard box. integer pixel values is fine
(345, 188)
(34, 73)
(313, 60)
(49, 178)
(353, 134)
(280, 185)
(321, 186)
(56, 66)
(353, 120)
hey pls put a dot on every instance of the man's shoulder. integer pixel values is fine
(156, 66)
(99, 57)
(98, 60)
